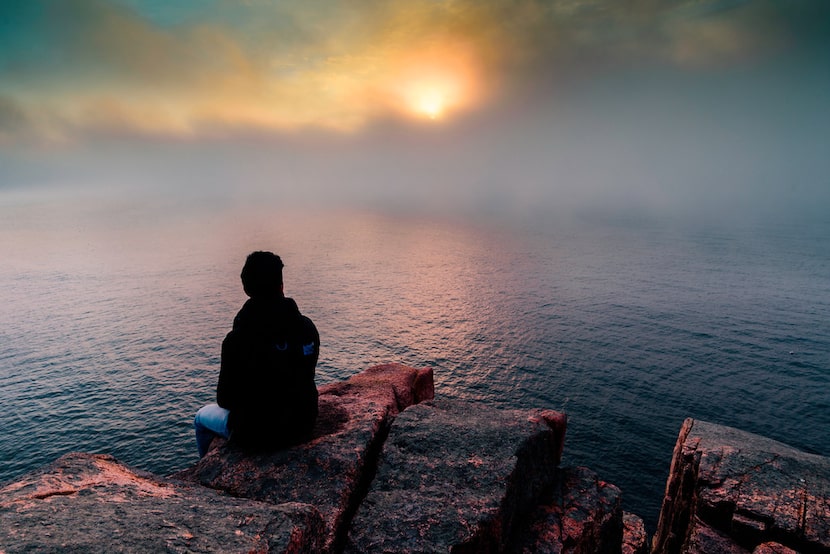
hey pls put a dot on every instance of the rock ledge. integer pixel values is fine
(732, 491)
(390, 469)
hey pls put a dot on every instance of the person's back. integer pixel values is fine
(267, 376)
(266, 396)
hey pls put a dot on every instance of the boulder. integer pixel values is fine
(93, 503)
(580, 515)
(704, 538)
(635, 539)
(773, 548)
(384, 471)
(733, 491)
(332, 471)
(458, 477)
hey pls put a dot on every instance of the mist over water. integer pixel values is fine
(114, 314)
(719, 143)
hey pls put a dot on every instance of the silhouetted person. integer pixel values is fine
(266, 396)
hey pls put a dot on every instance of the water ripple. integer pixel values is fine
(628, 330)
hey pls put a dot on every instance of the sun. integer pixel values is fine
(431, 98)
(430, 104)
(435, 82)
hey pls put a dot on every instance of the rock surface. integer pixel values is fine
(732, 491)
(458, 477)
(388, 472)
(635, 539)
(773, 548)
(92, 503)
(331, 471)
(580, 515)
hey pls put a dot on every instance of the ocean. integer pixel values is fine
(113, 317)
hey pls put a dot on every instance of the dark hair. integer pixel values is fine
(262, 274)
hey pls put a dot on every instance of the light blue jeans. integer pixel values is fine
(211, 422)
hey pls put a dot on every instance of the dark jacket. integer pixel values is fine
(266, 379)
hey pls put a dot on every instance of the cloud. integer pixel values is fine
(12, 119)
(93, 67)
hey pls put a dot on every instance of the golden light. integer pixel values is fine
(436, 83)
(428, 94)
(431, 104)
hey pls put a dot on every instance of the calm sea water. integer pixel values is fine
(113, 316)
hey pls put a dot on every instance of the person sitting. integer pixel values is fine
(266, 397)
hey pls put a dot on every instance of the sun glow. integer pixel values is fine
(437, 83)
(433, 98)
(430, 103)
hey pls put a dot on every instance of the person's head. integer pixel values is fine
(262, 275)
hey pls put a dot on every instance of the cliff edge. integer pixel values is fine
(391, 469)
(734, 492)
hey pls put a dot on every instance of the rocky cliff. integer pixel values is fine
(730, 491)
(391, 469)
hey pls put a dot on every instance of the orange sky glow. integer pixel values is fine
(192, 70)
(421, 61)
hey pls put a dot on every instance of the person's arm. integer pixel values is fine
(310, 353)
(227, 388)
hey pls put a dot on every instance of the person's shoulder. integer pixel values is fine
(245, 313)
(231, 340)
(305, 322)
(290, 305)
(308, 324)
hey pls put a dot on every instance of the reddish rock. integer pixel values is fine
(731, 491)
(703, 538)
(580, 515)
(773, 548)
(458, 477)
(92, 503)
(452, 477)
(635, 539)
(332, 470)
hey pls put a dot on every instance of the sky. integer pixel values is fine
(490, 107)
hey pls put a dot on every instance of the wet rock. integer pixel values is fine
(580, 515)
(93, 503)
(458, 477)
(330, 472)
(731, 491)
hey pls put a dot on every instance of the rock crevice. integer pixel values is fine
(457, 476)
(733, 491)
(331, 472)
